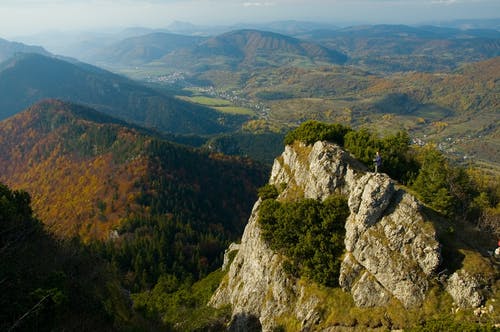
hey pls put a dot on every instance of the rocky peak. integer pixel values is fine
(391, 251)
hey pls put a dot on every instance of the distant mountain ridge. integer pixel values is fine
(493, 23)
(252, 48)
(246, 47)
(143, 49)
(287, 27)
(407, 48)
(9, 49)
(247, 43)
(28, 78)
(401, 30)
(385, 48)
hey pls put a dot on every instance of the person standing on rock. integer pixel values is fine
(378, 161)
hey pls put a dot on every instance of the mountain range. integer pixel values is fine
(387, 48)
(27, 78)
(287, 75)
(239, 48)
(405, 48)
(381, 47)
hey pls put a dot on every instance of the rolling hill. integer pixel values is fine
(456, 110)
(142, 49)
(28, 78)
(251, 48)
(237, 48)
(404, 48)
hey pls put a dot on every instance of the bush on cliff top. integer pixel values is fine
(363, 144)
(312, 131)
(451, 190)
(310, 233)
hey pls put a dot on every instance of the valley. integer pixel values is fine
(433, 101)
(454, 110)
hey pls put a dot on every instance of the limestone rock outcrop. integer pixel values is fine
(391, 250)
(464, 289)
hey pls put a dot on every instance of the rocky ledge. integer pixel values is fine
(391, 250)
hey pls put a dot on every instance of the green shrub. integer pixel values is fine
(312, 131)
(432, 183)
(310, 233)
(397, 160)
(362, 144)
(268, 191)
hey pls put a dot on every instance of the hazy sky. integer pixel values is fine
(31, 16)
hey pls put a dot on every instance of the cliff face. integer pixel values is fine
(391, 251)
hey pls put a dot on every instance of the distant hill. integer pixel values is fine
(9, 49)
(28, 78)
(493, 23)
(252, 48)
(405, 48)
(240, 48)
(87, 171)
(81, 44)
(287, 27)
(143, 49)
(292, 27)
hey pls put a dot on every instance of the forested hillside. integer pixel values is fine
(48, 284)
(160, 208)
(250, 49)
(28, 78)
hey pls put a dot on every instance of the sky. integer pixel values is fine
(23, 17)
